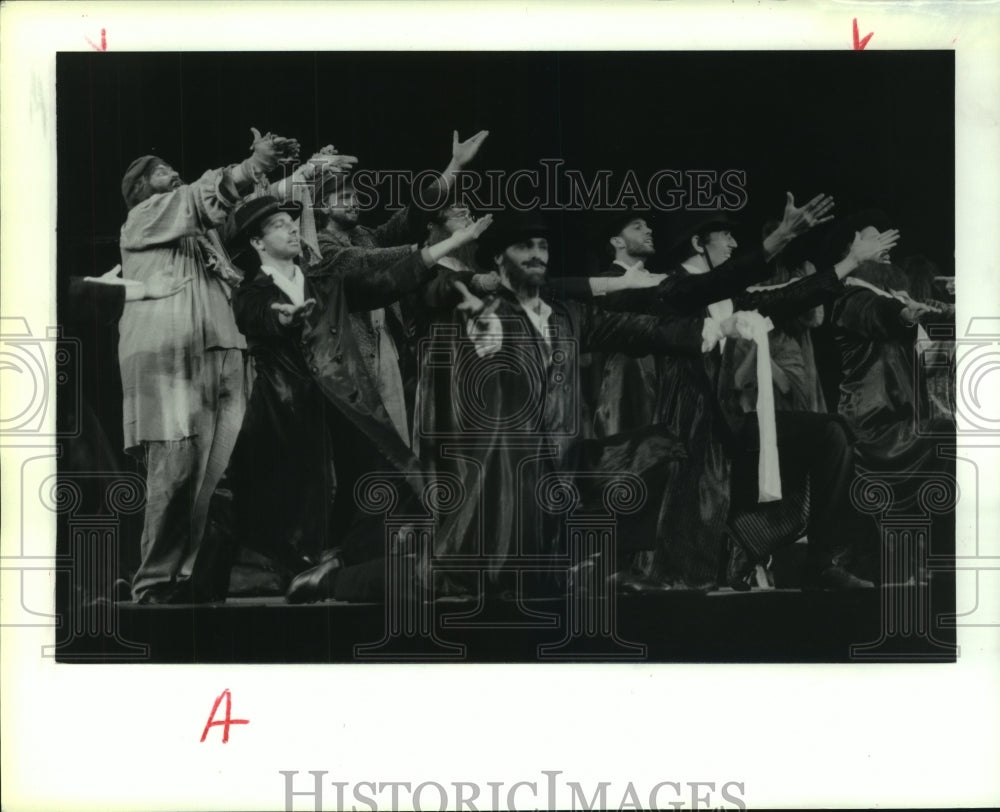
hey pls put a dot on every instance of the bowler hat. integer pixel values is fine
(253, 212)
(685, 224)
(507, 229)
(842, 233)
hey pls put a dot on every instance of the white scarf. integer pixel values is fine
(755, 327)
(293, 288)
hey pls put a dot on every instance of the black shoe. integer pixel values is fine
(163, 595)
(739, 569)
(632, 584)
(316, 583)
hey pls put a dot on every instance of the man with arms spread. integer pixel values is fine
(386, 335)
(182, 360)
(512, 406)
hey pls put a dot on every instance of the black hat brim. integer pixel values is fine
(239, 241)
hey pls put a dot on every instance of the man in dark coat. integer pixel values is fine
(703, 399)
(697, 400)
(627, 389)
(315, 422)
(505, 418)
(386, 336)
(879, 327)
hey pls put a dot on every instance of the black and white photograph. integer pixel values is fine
(403, 372)
(510, 356)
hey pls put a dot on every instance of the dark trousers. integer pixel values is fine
(814, 445)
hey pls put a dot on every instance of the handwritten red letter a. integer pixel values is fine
(224, 722)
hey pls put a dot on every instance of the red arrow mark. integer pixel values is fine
(104, 42)
(859, 45)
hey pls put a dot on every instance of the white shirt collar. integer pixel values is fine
(293, 288)
(539, 318)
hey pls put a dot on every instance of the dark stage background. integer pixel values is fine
(871, 128)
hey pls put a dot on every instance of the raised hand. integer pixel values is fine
(290, 315)
(473, 230)
(329, 161)
(269, 150)
(874, 245)
(796, 221)
(462, 152)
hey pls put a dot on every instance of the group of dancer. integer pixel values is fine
(269, 338)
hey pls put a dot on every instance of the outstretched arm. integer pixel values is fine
(369, 284)
(409, 223)
(797, 221)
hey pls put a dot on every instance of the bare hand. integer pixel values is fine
(636, 276)
(329, 161)
(471, 304)
(473, 230)
(462, 152)
(269, 150)
(912, 312)
(799, 221)
(161, 285)
(730, 327)
(485, 282)
(114, 273)
(290, 315)
(865, 248)
(740, 325)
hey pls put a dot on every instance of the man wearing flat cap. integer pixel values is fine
(182, 360)
(316, 422)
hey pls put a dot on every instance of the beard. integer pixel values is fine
(343, 220)
(639, 250)
(521, 278)
(883, 275)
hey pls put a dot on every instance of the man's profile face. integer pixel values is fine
(637, 237)
(526, 262)
(342, 207)
(871, 231)
(279, 237)
(719, 246)
(163, 178)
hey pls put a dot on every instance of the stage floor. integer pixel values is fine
(888, 624)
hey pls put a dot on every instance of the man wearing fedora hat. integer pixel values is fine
(182, 360)
(315, 422)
